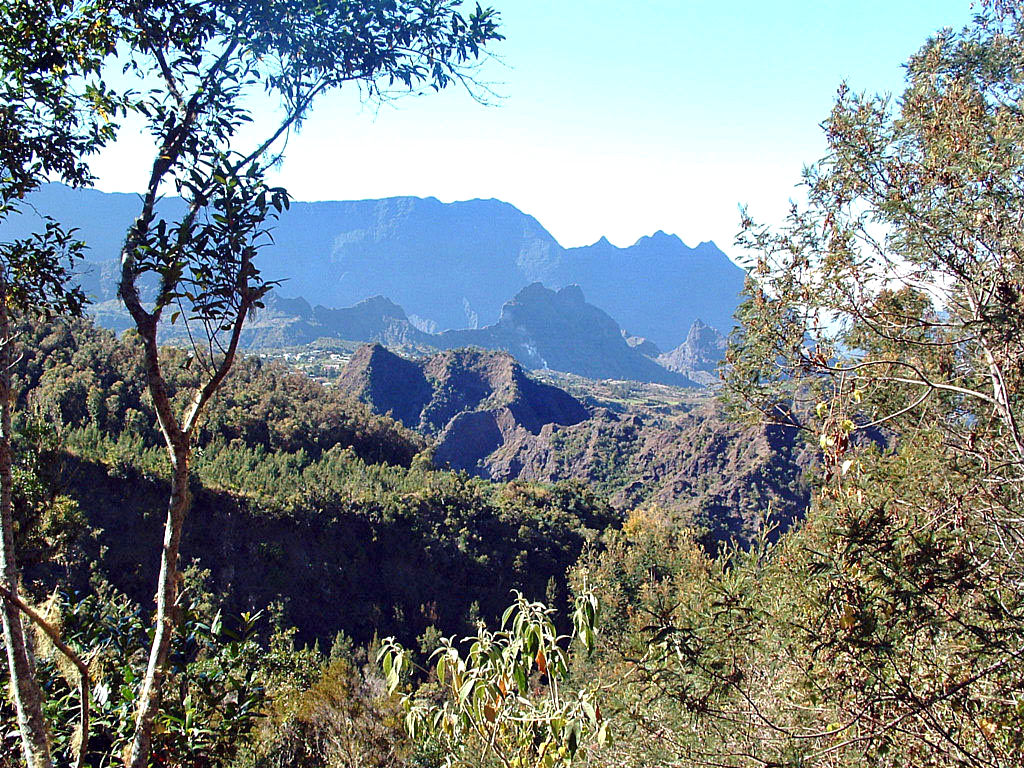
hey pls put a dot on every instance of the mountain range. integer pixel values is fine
(541, 328)
(451, 266)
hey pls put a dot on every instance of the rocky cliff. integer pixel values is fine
(559, 330)
(470, 400)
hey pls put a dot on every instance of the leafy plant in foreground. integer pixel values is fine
(505, 699)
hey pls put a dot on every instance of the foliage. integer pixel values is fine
(54, 112)
(884, 320)
(221, 677)
(76, 376)
(202, 64)
(692, 651)
(488, 705)
(344, 719)
(199, 65)
(796, 653)
(295, 506)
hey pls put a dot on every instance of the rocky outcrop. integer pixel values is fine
(656, 445)
(471, 400)
(387, 383)
(642, 345)
(716, 475)
(699, 356)
(559, 330)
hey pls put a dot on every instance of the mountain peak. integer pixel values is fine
(538, 293)
(387, 382)
(661, 237)
(380, 304)
(532, 292)
(572, 293)
(702, 351)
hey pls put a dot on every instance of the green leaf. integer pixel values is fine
(589, 711)
(465, 690)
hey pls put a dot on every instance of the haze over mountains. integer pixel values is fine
(541, 328)
(560, 330)
(449, 266)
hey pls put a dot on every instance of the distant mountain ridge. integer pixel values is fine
(561, 331)
(541, 328)
(658, 287)
(285, 322)
(449, 265)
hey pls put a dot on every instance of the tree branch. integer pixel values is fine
(84, 678)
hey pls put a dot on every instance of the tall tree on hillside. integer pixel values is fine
(886, 319)
(199, 63)
(54, 112)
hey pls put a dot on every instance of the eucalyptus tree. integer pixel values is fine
(200, 64)
(54, 112)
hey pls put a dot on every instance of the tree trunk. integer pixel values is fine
(24, 688)
(166, 611)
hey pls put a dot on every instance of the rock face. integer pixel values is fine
(658, 286)
(642, 345)
(697, 357)
(559, 330)
(387, 383)
(716, 475)
(288, 322)
(451, 265)
(472, 401)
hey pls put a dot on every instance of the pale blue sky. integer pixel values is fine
(615, 118)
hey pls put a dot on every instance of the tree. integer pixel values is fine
(198, 61)
(54, 112)
(884, 319)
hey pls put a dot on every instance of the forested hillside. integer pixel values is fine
(302, 495)
(632, 442)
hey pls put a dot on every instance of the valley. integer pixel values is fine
(634, 442)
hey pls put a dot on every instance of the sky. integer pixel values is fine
(613, 119)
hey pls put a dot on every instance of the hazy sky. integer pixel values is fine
(614, 118)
